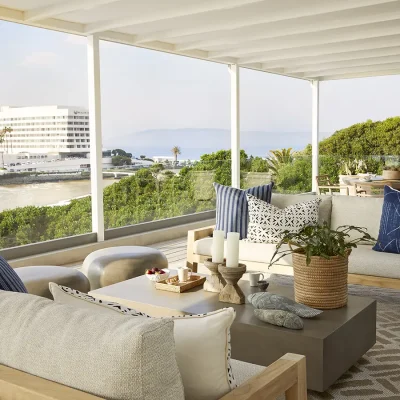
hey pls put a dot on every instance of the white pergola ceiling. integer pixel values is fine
(306, 39)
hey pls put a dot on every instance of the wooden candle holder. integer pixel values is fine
(232, 293)
(215, 282)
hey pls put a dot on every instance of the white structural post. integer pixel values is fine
(315, 133)
(96, 154)
(235, 125)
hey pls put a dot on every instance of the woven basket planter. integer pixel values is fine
(323, 283)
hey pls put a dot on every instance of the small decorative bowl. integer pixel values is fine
(158, 277)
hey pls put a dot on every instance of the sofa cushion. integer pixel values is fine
(285, 200)
(232, 210)
(110, 357)
(364, 212)
(256, 252)
(365, 261)
(267, 223)
(202, 344)
(9, 280)
(389, 231)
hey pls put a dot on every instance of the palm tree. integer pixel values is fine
(279, 157)
(175, 151)
(3, 137)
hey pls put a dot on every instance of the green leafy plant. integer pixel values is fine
(320, 241)
(278, 158)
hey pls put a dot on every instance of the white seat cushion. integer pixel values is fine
(256, 252)
(243, 371)
(365, 261)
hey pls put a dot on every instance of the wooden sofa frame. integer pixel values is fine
(367, 280)
(285, 376)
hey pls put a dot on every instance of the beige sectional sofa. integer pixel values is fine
(55, 351)
(366, 266)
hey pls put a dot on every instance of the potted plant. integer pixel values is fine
(320, 258)
(391, 172)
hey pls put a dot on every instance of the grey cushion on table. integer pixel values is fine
(280, 318)
(37, 278)
(116, 264)
(269, 301)
(110, 357)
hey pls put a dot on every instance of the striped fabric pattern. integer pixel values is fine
(232, 207)
(389, 231)
(9, 280)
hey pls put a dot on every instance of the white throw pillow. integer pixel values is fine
(267, 222)
(202, 343)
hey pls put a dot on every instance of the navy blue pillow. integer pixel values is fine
(389, 231)
(232, 207)
(9, 280)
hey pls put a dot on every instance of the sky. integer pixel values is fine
(153, 93)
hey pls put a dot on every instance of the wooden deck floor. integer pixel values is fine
(175, 251)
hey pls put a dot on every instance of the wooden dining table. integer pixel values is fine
(376, 183)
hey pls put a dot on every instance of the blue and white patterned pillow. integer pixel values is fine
(9, 280)
(389, 231)
(232, 207)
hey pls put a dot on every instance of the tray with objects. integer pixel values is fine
(173, 284)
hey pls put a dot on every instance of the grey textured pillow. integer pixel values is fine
(269, 301)
(105, 355)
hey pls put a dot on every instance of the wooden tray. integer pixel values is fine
(178, 287)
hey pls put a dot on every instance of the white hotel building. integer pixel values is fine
(36, 131)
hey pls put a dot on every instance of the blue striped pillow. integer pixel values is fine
(389, 231)
(232, 208)
(9, 280)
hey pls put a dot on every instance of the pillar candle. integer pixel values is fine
(217, 250)
(232, 253)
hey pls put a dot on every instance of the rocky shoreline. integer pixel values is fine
(26, 179)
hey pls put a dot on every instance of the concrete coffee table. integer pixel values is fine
(331, 342)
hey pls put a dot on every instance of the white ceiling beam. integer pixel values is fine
(360, 75)
(18, 16)
(63, 7)
(128, 39)
(187, 10)
(323, 49)
(340, 19)
(300, 62)
(278, 11)
(309, 69)
(350, 70)
(330, 36)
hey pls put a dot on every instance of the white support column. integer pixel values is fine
(235, 125)
(96, 166)
(315, 133)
